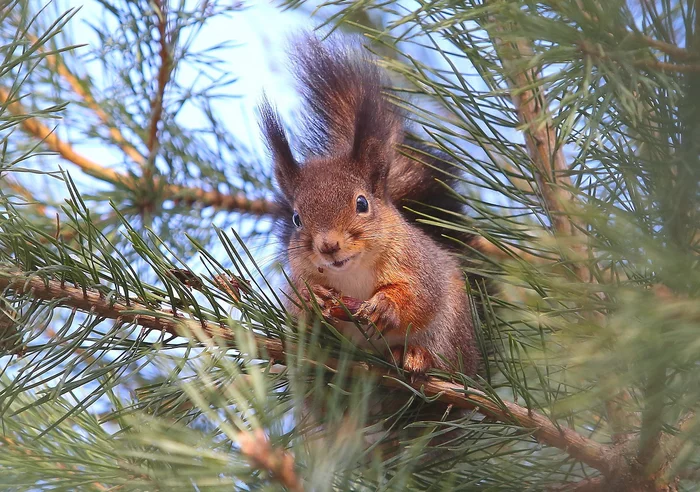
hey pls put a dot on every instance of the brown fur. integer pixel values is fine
(412, 285)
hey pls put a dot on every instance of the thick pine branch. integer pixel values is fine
(554, 183)
(544, 430)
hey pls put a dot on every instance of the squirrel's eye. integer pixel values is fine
(361, 205)
(296, 220)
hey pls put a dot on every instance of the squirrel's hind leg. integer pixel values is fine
(412, 358)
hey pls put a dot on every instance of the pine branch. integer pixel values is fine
(33, 126)
(278, 463)
(179, 194)
(55, 63)
(650, 64)
(545, 151)
(655, 65)
(555, 184)
(215, 199)
(544, 430)
(670, 49)
(685, 424)
(667, 48)
(659, 461)
(163, 77)
(586, 450)
(91, 301)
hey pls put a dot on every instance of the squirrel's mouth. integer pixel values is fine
(341, 263)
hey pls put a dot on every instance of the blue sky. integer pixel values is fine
(259, 35)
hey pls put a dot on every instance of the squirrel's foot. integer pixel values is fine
(381, 312)
(324, 297)
(413, 359)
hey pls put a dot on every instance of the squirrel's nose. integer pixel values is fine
(328, 248)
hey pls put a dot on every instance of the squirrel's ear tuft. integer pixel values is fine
(375, 135)
(286, 167)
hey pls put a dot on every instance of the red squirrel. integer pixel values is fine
(349, 213)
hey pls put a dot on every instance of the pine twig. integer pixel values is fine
(163, 76)
(649, 63)
(239, 202)
(667, 48)
(544, 430)
(18, 188)
(277, 462)
(670, 49)
(39, 130)
(667, 67)
(77, 86)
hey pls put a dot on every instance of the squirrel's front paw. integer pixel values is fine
(381, 312)
(325, 298)
(414, 359)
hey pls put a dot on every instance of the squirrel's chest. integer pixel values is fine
(358, 283)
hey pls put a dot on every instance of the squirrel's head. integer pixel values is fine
(339, 209)
(338, 197)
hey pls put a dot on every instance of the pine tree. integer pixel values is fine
(144, 343)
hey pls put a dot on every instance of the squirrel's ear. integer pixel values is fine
(286, 167)
(375, 136)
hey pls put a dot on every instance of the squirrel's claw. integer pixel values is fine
(417, 359)
(323, 293)
(325, 298)
(414, 360)
(381, 313)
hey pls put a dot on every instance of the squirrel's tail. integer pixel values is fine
(422, 183)
(424, 192)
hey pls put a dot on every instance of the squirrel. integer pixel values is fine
(349, 208)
